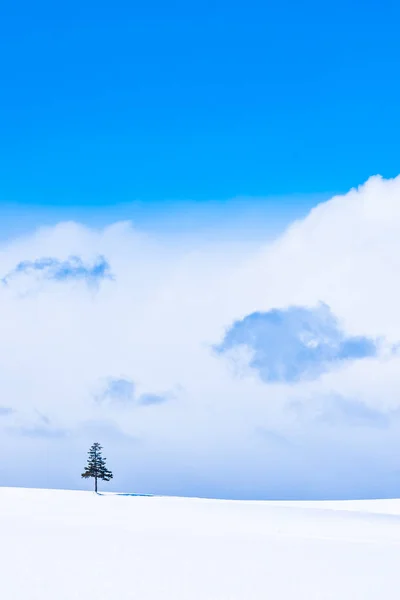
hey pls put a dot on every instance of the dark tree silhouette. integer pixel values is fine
(96, 466)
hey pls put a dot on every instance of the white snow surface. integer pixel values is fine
(66, 545)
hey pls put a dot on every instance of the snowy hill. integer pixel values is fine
(62, 545)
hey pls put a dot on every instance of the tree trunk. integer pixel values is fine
(95, 484)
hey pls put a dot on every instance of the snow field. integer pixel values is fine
(64, 545)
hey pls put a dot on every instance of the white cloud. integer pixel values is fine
(154, 325)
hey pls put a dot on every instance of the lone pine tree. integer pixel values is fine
(96, 466)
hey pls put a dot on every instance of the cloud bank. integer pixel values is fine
(222, 370)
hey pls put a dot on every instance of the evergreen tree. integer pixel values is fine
(96, 466)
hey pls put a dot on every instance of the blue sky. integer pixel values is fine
(194, 166)
(287, 345)
(159, 103)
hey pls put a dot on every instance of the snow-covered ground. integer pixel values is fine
(62, 545)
